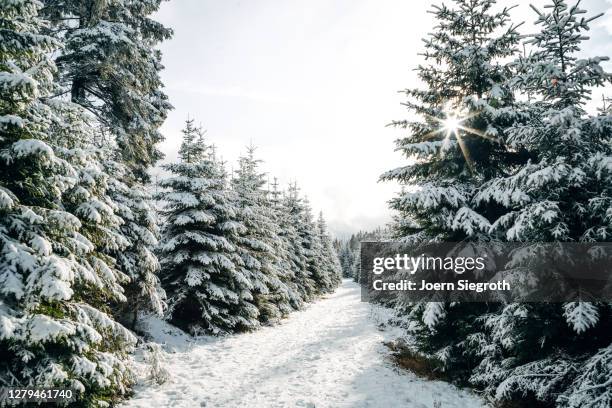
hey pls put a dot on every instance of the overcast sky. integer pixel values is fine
(313, 84)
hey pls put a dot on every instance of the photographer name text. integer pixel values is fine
(428, 264)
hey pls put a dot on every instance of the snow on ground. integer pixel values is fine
(328, 355)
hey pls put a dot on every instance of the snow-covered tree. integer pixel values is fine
(349, 250)
(464, 110)
(562, 194)
(346, 261)
(140, 229)
(109, 65)
(455, 145)
(592, 387)
(287, 260)
(55, 282)
(330, 263)
(298, 233)
(259, 241)
(209, 290)
(315, 262)
(606, 106)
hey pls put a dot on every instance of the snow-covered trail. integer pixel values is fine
(328, 355)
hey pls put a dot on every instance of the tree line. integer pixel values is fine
(83, 252)
(348, 250)
(234, 253)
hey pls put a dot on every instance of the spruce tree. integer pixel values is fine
(258, 242)
(55, 283)
(606, 108)
(562, 194)
(354, 245)
(140, 228)
(346, 260)
(298, 233)
(330, 263)
(455, 147)
(209, 289)
(109, 65)
(313, 249)
(287, 260)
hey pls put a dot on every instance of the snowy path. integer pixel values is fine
(329, 355)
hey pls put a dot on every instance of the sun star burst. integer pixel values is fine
(452, 125)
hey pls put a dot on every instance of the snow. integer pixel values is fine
(10, 80)
(431, 195)
(11, 120)
(434, 311)
(581, 316)
(6, 199)
(26, 147)
(328, 355)
(43, 328)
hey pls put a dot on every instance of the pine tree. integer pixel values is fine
(562, 194)
(314, 250)
(140, 228)
(330, 263)
(297, 232)
(54, 281)
(456, 146)
(110, 67)
(258, 240)
(286, 260)
(346, 261)
(465, 108)
(354, 245)
(209, 289)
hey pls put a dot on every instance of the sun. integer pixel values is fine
(453, 127)
(452, 124)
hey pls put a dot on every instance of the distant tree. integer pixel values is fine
(298, 234)
(288, 261)
(330, 262)
(258, 241)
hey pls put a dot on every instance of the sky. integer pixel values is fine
(313, 84)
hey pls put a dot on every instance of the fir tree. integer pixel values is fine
(346, 261)
(55, 283)
(287, 260)
(465, 109)
(456, 146)
(202, 272)
(258, 240)
(110, 67)
(562, 194)
(313, 249)
(354, 245)
(294, 209)
(606, 108)
(140, 229)
(330, 263)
